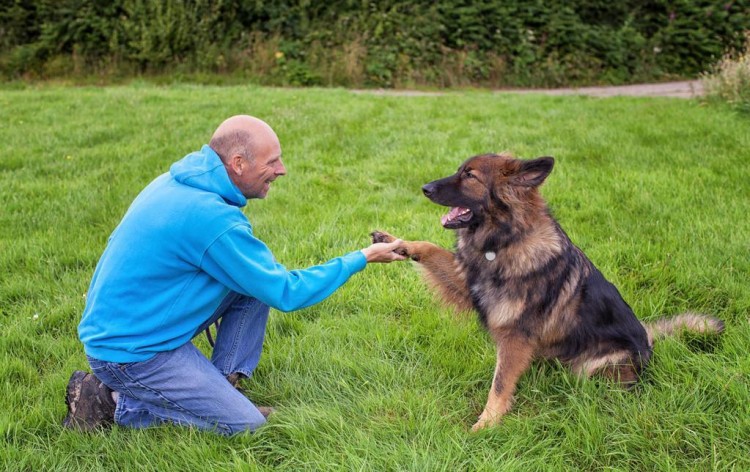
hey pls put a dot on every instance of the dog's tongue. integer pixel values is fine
(453, 214)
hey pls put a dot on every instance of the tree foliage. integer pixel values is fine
(383, 43)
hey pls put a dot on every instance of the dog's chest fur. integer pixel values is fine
(496, 300)
(502, 280)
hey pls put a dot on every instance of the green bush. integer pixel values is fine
(729, 80)
(389, 43)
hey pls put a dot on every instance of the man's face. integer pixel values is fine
(258, 172)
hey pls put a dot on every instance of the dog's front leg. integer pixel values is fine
(441, 270)
(514, 354)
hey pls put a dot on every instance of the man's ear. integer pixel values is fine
(237, 163)
(533, 172)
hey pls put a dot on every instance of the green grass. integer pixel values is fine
(379, 377)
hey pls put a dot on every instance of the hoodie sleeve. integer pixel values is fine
(244, 263)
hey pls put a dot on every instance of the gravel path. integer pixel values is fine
(686, 89)
(689, 89)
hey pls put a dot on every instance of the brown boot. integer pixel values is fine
(90, 403)
(234, 379)
(266, 411)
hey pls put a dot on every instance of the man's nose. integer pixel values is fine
(281, 170)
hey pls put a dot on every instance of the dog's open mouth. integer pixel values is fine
(456, 218)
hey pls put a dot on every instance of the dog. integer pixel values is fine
(535, 292)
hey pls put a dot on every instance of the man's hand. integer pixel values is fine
(383, 252)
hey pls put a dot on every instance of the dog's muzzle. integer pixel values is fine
(429, 189)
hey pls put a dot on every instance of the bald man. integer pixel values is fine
(184, 256)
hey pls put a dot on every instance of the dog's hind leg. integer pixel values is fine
(624, 373)
(514, 354)
(620, 366)
(442, 272)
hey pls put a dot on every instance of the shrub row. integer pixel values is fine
(373, 43)
(728, 81)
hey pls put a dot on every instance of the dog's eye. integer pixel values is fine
(469, 175)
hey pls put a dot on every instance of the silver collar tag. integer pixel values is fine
(490, 256)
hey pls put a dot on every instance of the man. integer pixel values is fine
(183, 256)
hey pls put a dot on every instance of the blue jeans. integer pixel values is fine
(183, 387)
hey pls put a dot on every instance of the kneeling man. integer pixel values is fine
(184, 256)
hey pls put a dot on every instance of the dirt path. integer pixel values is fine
(686, 89)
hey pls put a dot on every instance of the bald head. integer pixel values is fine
(241, 135)
(251, 153)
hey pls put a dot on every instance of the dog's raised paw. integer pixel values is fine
(381, 237)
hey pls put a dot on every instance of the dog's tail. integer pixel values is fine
(693, 322)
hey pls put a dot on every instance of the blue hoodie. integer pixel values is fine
(181, 247)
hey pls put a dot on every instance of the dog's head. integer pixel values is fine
(488, 184)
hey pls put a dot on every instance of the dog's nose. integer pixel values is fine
(428, 189)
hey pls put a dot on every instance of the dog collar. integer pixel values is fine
(490, 255)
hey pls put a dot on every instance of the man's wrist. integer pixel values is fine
(367, 252)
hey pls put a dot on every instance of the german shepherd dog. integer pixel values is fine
(535, 292)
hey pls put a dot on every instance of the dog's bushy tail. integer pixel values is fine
(693, 322)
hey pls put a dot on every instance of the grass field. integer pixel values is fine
(379, 376)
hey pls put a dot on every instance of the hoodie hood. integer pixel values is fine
(204, 170)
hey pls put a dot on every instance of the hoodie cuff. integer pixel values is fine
(355, 261)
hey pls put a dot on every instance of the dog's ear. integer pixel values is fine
(533, 172)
